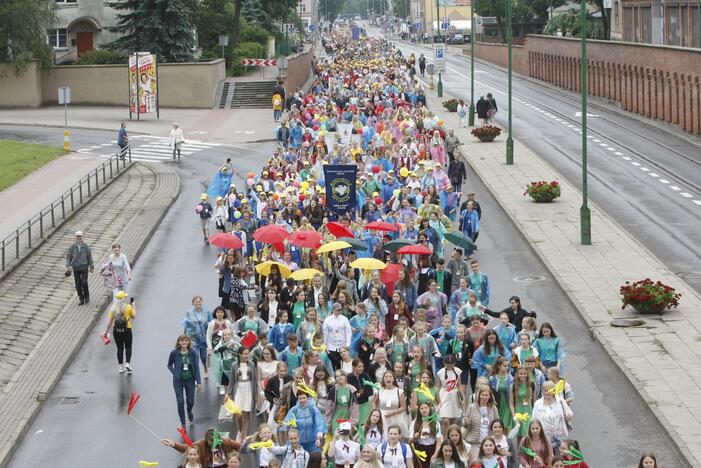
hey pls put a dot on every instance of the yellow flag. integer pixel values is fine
(426, 391)
(292, 422)
(303, 387)
(260, 445)
(558, 388)
(146, 464)
(420, 454)
(230, 406)
(522, 417)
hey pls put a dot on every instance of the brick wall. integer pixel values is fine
(657, 82)
(299, 67)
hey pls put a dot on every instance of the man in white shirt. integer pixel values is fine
(337, 333)
(176, 139)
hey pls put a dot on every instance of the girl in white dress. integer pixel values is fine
(242, 387)
(266, 368)
(392, 405)
(451, 396)
(454, 435)
(373, 431)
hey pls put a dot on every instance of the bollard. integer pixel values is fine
(66, 141)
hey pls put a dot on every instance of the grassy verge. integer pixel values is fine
(18, 160)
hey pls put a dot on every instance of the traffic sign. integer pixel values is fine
(439, 57)
(64, 95)
(478, 25)
(287, 27)
(311, 28)
(259, 62)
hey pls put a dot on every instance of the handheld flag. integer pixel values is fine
(361, 435)
(186, 439)
(426, 391)
(319, 349)
(433, 417)
(304, 388)
(529, 452)
(522, 417)
(374, 385)
(558, 388)
(420, 454)
(577, 454)
(216, 439)
(147, 464)
(260, 445)
(292, 422)
(230, 406)
(132, 402)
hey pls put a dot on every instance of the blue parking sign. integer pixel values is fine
(439, 53)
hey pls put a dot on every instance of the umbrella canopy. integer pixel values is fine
(461, 240)
(270, 234)
(263, 269)
(226, 241)
(382, 226)
(390, 275)
(339, 230)
(306, 239)
(393, 246)
(414, 250)
(355, 244)
(369, 264)
(305, 274)
(333, 246)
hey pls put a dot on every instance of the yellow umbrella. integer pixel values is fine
(332, 246)
(263, 269)
(369, 264)
(305, 274)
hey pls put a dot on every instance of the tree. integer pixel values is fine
(401, 8)
(254, 13)
(23, 26)
(159, 26)
(235, 27)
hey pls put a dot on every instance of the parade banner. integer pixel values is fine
(143, 83)
(340, 187)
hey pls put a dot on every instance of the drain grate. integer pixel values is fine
(67, 400)
(529, 278)
(624, 323)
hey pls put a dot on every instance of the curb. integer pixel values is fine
(70, 127)
(32, 409)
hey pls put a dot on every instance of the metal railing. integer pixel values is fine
(30, 233)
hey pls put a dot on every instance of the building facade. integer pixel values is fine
(307, 11)
(80, 26)
(662, 22)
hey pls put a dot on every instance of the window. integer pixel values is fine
(628, 24)
(57, 38)
(672, 26)
(66, 1)
(646, 24)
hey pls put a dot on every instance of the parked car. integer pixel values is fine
(457, 39)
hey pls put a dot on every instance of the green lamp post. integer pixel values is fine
(439, 88)
(584, 213)
(509, 139)
(471, 115)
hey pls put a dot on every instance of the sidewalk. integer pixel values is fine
(41, 324)
(660, 359)
(229, 126)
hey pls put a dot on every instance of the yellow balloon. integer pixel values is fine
(441, 122)
(304, 185)
(404, 172)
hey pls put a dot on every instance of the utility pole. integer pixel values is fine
(584, 213)
(471, 114)
(509, 139)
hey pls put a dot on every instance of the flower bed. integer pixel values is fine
(543, 191)
(486, 133)
(647, 296)
(451, 105)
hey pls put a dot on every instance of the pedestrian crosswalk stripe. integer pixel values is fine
(150, 148)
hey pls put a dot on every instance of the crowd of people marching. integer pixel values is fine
(367, 338)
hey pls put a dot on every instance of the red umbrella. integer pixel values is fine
(226, 241)
(382, 226)
(270, 234)
(339, 230)
(307, 239)
(391, 273)
(414, 250)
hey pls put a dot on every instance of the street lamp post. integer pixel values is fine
(509, 139)
(584, 213)
(471, 115)
(439, 88)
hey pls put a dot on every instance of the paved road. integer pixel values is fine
(87, 408)
(647, 179)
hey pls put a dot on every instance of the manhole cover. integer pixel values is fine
(68, 400)
(529, 278)
(623, 323)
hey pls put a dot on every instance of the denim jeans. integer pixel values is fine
(189, 387)
(202, 351)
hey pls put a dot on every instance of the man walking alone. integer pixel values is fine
(79, 260)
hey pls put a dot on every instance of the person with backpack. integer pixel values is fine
(395, 453)
(310, 422)
(119, 320)
(277, 107)
(204, 210)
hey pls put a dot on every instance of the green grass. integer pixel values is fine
(18, 160)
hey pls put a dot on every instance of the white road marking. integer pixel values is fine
(627, 158)
(686, 195)
(675, 188)
(618, 153)
(698, 202)
(652, 174)
(664, 181)
(635, 163)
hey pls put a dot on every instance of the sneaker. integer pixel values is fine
(190, 416)
(127, 366)
(121, 369)
(87, 299)
(81, 302)
(222, 390)
(206, 375)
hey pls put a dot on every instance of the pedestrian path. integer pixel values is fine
(661, 358)
(149, 148)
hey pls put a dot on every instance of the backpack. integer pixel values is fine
(120, 322)
(383, 450)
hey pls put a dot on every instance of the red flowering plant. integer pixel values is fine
(543, 191)
(648, 294)
(486, 133)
